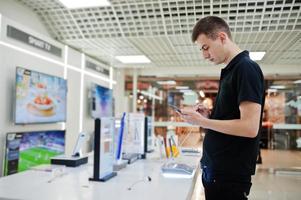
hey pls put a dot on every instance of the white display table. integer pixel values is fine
(74, 184)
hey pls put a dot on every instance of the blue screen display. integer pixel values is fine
(102, 102)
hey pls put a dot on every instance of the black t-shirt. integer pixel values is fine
(227, 155)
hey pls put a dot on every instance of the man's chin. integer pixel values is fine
(216, 62)
(213, 62)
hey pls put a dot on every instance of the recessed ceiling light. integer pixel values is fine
(257, 55)
(182, 87)
(279, 87)
(297, 81)
(133, 59)
(190, 93)
(170, 82)
(84, 4)
(272, 90)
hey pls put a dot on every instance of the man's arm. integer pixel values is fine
(246, 126)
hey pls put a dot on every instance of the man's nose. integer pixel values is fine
(205, 54)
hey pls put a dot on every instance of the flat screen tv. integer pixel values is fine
(40, 98)
(28, 149)
(102, 102)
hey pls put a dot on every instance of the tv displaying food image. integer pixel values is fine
(29, 149)
(40, 98)
(102, 102)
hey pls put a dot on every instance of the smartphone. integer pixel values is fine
(176, 109)
(79, 143)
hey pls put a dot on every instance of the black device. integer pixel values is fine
(148, 139)
(178, 110)
(96, 165)
(69, 161)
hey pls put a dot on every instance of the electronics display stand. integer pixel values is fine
(76, 159)
(135, 138)
(142, 156)
(69, 161)
(130, 157)
(147, 137)
(177, 170)
(119, 163)
(96, 165)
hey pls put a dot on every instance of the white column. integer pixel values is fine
(135, 88)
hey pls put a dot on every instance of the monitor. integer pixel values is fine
(102, 102)
(28, 149)
(40, 98)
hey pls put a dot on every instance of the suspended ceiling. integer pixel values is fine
(161, 30)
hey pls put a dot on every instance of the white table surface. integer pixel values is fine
(74, 183)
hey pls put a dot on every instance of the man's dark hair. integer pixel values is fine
(210, 26)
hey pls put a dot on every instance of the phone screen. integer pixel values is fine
(176, 108)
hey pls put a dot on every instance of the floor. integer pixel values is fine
(277, 178)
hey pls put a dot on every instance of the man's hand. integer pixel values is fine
(246, 126)
(190, 115)
(200, 108)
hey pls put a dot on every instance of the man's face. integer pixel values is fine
(213, 50)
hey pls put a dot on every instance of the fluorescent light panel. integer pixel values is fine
(84, 3)
(170, 82)
(133, 59)
(182, 87)
(297, 81)
(187, 91)
(257, 55)
(272, 90)
(278, 87)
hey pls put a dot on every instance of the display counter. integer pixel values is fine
(131, 182)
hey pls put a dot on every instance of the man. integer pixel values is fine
(231, 143)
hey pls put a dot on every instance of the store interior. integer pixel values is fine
(62, 69)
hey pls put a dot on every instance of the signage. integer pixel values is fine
(97, 68)
(21, 36)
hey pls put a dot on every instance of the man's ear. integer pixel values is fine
(223, 37)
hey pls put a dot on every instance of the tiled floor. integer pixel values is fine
(269, 183)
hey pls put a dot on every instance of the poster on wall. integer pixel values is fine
(40, 98)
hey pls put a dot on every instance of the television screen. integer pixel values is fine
(102, 102)
(40, 98)
(29, 149)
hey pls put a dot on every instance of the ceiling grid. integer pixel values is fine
(161, 29)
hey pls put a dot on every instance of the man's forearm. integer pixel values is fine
(236, 127)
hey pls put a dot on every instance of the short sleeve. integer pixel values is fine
(250, 83)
